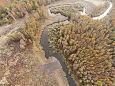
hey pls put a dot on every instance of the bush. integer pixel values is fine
(33, 29)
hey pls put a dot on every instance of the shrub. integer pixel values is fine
(18, 9)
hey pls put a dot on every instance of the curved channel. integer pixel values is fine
(105, 13)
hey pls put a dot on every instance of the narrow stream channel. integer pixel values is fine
(50, 52)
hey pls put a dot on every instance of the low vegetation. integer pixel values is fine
(68, 10)
(18, 56)
(18, 9)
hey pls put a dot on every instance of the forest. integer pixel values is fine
(86, 47)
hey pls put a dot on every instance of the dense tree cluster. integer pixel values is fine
(85, 46)
(112, 35)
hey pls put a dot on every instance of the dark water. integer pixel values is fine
(50, 52)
